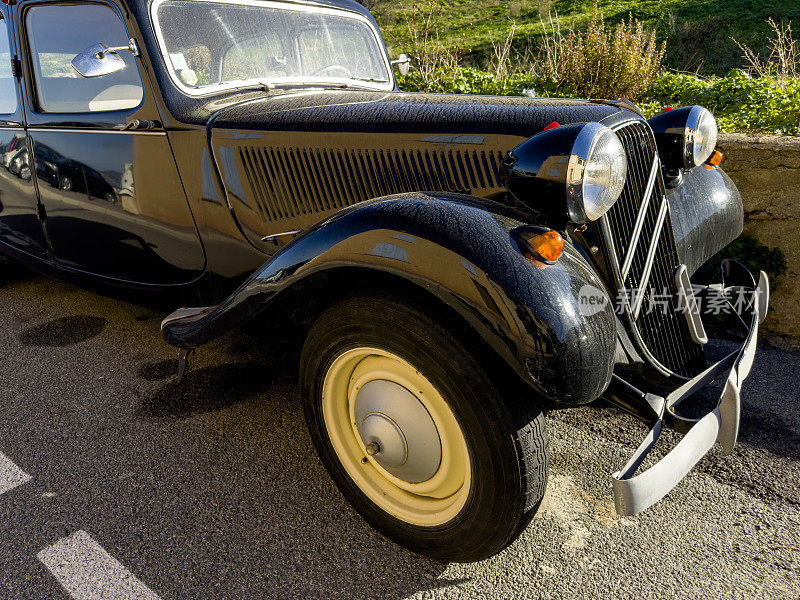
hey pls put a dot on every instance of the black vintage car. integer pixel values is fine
(456, 265)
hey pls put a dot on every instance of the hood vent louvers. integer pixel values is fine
(288, 182)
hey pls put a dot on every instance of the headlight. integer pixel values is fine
(704, 132)
(685, 137)
(584, 164)
(596, 173)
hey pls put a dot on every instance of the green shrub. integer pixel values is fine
(466, 80)
(601, 61)
(739, 102)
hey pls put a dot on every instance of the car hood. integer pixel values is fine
(288, 160)
(394, 112)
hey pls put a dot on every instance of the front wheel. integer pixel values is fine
(429, 448)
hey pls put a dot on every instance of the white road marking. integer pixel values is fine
(10, 474)
(88, 572)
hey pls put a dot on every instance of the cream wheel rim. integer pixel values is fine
(396, 436)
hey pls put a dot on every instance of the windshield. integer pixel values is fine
(211, 45)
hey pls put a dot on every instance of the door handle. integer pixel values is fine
(139, 124)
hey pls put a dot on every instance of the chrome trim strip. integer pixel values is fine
(273, 236)
(651, 255)
(630, 322)
(632, 329)
(691, 308)
(84, 130)
(637, 228)
(11, 128)
(612, 250)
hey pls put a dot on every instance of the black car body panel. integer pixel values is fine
(460, 250)
(347, 111)
(707, 214)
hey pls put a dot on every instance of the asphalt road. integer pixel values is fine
(212, 489)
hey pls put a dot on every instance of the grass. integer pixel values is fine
(698, 32)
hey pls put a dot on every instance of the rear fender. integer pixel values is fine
(459, 249)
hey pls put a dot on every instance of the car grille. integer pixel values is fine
(642, 213)
(289, 182)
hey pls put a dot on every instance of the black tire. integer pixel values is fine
(504, 429)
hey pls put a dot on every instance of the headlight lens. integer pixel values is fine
(596, 174)
(705, 137)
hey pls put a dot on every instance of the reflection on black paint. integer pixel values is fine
(115, 206)
(19, 222)
(109, 247)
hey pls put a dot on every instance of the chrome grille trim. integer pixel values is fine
(651, 255)
(637, 228)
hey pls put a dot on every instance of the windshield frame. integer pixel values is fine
(305, 81)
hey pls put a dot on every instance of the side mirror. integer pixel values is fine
(403, 62)
(99, 59)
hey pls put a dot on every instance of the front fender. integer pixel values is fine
(458, 248)
(706, 213)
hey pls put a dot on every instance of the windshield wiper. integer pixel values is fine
(370, 79)
(267, 86)
(305, 84)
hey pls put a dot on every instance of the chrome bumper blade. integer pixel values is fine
(634, 493)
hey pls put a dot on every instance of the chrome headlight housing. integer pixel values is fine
(685, 137)
(582, 164)
(596, 173)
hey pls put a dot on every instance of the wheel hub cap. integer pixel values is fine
(397, 430)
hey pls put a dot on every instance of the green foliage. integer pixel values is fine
(698, 32)
(466, 80)
(752, 254)
(739, 102)
(603, 61)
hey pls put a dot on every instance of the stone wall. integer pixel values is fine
(766, 169)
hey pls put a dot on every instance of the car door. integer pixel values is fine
(20, 227)
(112, 198)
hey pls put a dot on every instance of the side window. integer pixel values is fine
(8, 92)
(56, 34)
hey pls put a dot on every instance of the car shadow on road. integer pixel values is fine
(13, 273)
(64, 331)
(203, 389)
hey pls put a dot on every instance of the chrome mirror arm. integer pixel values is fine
(132, 47)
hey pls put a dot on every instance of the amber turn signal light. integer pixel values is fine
(715, 158)
(545, 247)
(548, 245)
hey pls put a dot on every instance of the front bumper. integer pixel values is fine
(634, 493)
